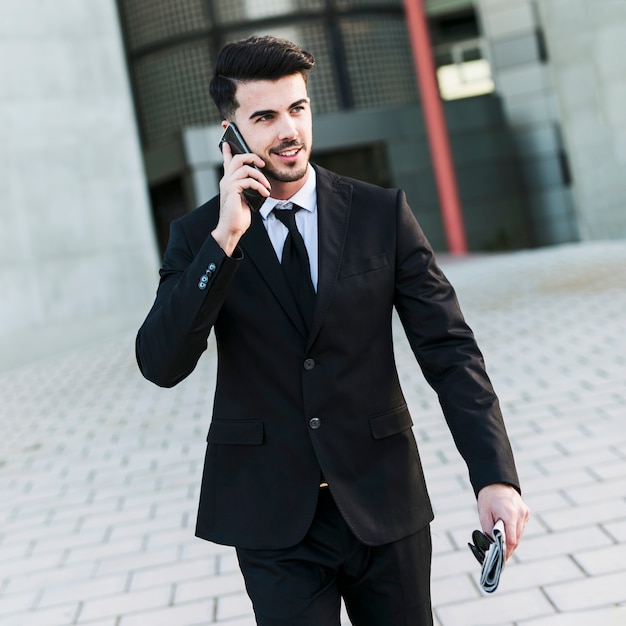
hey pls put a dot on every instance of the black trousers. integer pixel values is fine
(303, 585)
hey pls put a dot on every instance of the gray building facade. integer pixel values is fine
(366, 102)
(521, 178)
(108, 132)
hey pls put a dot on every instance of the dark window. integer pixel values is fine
(168, 203)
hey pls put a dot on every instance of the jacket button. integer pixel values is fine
(315, 423)
(309, 364)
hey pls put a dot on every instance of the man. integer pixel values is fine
(312, 471)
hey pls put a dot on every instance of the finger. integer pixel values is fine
(244, 168)
(488, 516)
(259, 177)
(486, 523)
(515, 530)
(512, 540)
(522, 520)
(245, 177)
(240, 160)
(227, 153)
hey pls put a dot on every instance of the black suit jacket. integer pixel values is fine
(289, 404)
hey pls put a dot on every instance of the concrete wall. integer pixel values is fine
(77, 253)
(586, 41)
(524, 83)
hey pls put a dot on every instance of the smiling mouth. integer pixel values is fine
(287, 152)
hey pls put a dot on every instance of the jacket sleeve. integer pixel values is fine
(191, 291)
(449, 357)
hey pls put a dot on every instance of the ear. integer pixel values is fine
(225, 123)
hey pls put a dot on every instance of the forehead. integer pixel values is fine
(274, 95)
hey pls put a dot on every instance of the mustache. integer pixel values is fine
(286, 145)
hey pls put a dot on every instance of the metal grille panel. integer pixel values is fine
(363, 54)
(173, 91)
(233, 11)
(379, 61)
(151, 21)
(312, 38)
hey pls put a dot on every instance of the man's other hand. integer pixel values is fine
(500, 501)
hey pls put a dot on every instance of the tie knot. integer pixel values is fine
(286, 213)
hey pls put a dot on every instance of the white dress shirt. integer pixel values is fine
(306, 221)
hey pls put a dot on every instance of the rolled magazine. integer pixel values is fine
(491, 554)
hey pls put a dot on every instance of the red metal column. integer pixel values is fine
(436, 127)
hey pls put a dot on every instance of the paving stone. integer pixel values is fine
(193, 614)
(233, 605)
(547, 545)
(576, 516)
(457, 562)
(589, 593)
(547, 483)
(616, 530)
(601, 560)
(126, 603)
(17, 603)
(495, 609)
(36, 580)
(172, 573)
(209, 587)
(614, 616)
(451, 589)
(95, 551)
(44, 617)
(537, 573)
(62, 594)
(601, 491)
(546, 501)
(133, 561)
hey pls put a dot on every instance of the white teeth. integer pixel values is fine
(289, 153)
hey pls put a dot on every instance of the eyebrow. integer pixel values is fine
(272, 112)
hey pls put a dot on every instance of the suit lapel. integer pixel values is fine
(334, 200)
(258, 247)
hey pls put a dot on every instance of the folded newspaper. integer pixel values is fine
(491, 554)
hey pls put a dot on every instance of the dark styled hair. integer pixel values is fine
(255, 58)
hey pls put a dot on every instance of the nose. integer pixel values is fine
(288, 128)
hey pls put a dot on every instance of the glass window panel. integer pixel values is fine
(312, 38)
(379, 61)
(232, 11)
(464, 80)
(149, 21)
(172, 89)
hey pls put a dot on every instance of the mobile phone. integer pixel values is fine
(233, 138)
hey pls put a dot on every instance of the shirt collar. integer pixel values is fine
(305, 197)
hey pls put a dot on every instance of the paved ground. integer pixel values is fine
(99, 470)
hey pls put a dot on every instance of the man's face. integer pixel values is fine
(274, 118)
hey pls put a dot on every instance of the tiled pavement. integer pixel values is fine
(99, 470)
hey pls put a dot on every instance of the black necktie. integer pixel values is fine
(295, 262)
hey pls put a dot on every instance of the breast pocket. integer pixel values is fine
(356, 267)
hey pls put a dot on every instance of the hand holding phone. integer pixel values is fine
(233, 138)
